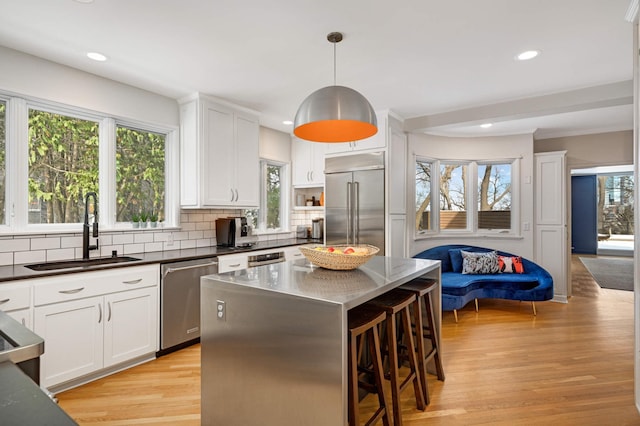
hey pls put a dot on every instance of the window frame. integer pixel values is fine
(285, 189)
(17, 154)
(472, 198)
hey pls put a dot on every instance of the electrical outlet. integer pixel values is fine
(170, 239)
(221, 310)
(526, 226)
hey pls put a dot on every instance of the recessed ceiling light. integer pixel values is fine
(486, 125)
(529, 54)
(84, 1)
(96, 56)
(287, 122)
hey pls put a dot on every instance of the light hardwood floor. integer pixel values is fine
(570, 365)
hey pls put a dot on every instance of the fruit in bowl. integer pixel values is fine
(339, 257)
(358, 251)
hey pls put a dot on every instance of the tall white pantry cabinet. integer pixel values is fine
(551, 235)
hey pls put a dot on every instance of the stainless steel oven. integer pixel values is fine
(180, 302)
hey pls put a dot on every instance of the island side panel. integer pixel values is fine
(275, 359)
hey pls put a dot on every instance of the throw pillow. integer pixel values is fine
(510, 265)
(456, 258)
(479, 263)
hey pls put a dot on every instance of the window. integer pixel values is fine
(63, 166)
(140, 174)
(271, 215)
(615, 203)
(53, 155)
(423, 195)
(494, 196)
(453, 196)
(3, 159)
(472, 196)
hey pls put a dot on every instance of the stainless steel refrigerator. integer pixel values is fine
(354, 200)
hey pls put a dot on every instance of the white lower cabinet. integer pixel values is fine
(15, 300)
(73, 339)
(104, 318)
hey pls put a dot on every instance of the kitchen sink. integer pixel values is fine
(51, 266)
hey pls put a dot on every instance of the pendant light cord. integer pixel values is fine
(334, 64)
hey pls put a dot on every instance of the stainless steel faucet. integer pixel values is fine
(85, 229)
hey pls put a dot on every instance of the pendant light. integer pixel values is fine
(335, 113)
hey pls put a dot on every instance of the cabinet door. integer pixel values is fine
(130, 325)
(23, 316)
(73, 335)
(293, 253)
(316, 163)
(218, 155)
(301, 155)
(247, 160)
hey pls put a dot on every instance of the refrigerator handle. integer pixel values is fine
(356, 213)
(349, 212)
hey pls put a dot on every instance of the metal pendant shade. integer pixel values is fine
(335, 113)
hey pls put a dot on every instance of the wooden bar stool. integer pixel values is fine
(397, 302)
(422, 289)
(363, 322)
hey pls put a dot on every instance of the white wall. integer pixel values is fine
(275, 145)
(486, 148)
(28, 75)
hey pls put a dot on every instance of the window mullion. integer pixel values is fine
(107, 172)
(17, 163)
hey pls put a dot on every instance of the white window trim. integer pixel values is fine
(17, 172)
(472, 200)
(285, 189)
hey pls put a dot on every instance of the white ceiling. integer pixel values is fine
(447, 65)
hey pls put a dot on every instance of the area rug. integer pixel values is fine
(611, 272)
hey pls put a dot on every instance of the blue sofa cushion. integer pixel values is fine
(458, 284)
(455, 256)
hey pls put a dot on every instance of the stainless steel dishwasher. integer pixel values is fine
(180, 302)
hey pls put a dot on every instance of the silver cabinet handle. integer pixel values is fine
(232, 195)
(237, 195)
(235, 265)
(184, 268)
(109, 314)
(132, 281)
(311, 176)
(4, 301)
(99, 314)
(74, 291)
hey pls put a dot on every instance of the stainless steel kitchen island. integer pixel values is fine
(274, 338)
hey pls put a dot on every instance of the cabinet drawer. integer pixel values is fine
(232, 263)
(14, 296)
(89, 284)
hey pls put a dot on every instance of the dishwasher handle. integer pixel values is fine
(184, 268)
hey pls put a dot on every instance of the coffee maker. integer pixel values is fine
(234, 232)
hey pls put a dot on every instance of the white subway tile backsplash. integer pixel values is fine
(60, 254)
(187, 244)
(122, 239)
(72, 242)
(29, 256)
(6, 259)
(150, 247)
(133, 248)
(15, 245)
(197, 229)
(147, 237)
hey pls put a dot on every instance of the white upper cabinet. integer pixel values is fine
(219, 154)
(308, 163)
(377, 141)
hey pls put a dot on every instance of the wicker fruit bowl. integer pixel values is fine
(339, 257)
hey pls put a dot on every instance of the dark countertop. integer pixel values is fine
(21, 272)
(22, 402)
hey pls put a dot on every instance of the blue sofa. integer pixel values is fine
(458, 289)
